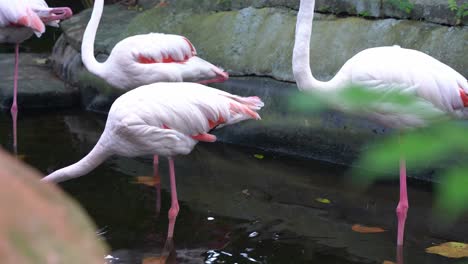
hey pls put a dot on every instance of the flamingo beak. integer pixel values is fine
(57, 13)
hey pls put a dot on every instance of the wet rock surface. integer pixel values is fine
(38, 86)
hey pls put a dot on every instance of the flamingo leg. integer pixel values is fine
(14, 106)
(400, 256)
(174, 210)
(403, 206)
(157, 180)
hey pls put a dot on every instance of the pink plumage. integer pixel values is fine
(439, 88)
(148, 58)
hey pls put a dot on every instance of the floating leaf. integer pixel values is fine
(450, 250)
(154, 260)
(323, 200)
(147, 180)
(259, 156)
(367, 229)
(40, 61)
(388, 262)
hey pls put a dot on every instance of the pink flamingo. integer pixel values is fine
(19, 19)
(439, 87)
(163, 119)
(144, 59)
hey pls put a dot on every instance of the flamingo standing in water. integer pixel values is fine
(435, 84)
(163, 119)
(146, 59)
(19, 20)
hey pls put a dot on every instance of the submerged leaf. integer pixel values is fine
(259, 156)
(367, 229)
(147, 180)
(21, 157)
(323, 200)
(154, 260)
(450, 250)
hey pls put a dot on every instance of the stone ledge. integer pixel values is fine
(254, 41)
(38, 87)
(435, 11)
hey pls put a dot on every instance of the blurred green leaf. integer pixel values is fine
(453, 192)
(259, 156)
(444, 142)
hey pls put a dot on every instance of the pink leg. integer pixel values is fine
(157, 179)
(14, 106)
(174, 211)
(400, 256)
(402, 207)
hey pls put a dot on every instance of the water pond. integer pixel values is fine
(238, 205)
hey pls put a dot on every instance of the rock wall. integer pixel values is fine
(255, 39)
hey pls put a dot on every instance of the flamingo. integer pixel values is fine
(148, 58)
(385, 69)
(19, 20)
(145, 59)
(165, 119)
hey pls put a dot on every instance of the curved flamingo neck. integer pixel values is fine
(94, 158)
(87, 45)
(301, 52)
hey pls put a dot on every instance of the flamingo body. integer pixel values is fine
(392, 68)
(384, 69)
(162, 119)
(437, 87)
(148, 58)
(19, 20)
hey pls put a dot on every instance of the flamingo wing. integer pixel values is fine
(159, 48)
(389, 69)
(19, 13)
(186, 111)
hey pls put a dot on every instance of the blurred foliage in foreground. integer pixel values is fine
(442, 145)
(39, 223)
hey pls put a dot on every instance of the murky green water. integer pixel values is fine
(235, 207)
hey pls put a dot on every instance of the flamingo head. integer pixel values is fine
(212, 75)
(54, 14)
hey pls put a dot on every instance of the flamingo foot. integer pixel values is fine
(401, 211)
(174, 211)
(157, 180)
(14, 116)
(400, 256)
